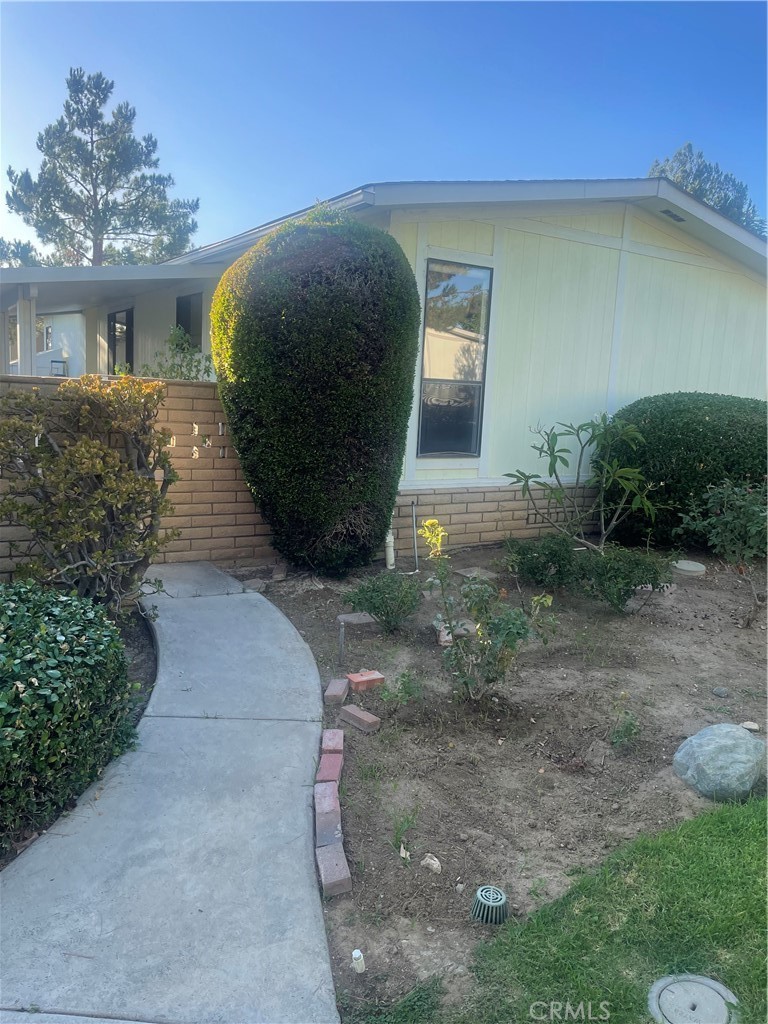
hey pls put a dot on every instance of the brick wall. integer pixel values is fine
(215, 513)
(214, 509)
(471, 515)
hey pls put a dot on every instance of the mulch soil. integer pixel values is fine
(523, 789)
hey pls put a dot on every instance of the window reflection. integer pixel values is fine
(453, 369)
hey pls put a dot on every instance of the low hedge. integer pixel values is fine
(692, 441)
(612, 576)
(64, 702)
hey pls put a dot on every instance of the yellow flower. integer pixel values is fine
(434, 534)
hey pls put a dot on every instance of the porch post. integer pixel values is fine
(4, 344)
(25, 325)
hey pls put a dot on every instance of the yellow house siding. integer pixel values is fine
(462, 235)
(663, 237)
(553, 340)
(608, 223)
(588, 312)
(407, 234)
(689, 328)
(440, 474)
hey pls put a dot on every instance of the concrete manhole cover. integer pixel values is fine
(690, 999)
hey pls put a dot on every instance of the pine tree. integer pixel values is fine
(707, 182)
(98, 198)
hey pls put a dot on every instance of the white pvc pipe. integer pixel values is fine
(389, 549)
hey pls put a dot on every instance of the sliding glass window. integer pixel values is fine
(456, 319)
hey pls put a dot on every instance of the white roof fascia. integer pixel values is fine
(720, 231)
(159, 272)
(426, 193)
(359, 197)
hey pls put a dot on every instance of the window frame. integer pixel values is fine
(455, 457)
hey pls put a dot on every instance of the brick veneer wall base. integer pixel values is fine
(215, 513)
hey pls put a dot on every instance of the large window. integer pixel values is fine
(453, 368)
(189, 316)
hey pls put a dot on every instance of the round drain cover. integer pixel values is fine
(687, 568)
(690, 999)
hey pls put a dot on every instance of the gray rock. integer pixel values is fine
(750, 726)
(721, 762)
(720, 691)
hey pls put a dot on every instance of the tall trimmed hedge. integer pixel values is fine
(692, 440)
(64, 702)
(314, 335)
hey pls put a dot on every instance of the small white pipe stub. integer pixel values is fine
(389, 549)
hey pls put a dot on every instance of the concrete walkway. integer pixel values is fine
(182, 889)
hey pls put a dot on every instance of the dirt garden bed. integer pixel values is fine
(525, 788)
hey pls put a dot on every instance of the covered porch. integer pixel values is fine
(66, 321)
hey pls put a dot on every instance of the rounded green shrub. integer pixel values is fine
(64, 702)
(314, 335)
(389, 597)
(692, 441)
(549, 562)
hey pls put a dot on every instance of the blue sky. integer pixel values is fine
(262, 108)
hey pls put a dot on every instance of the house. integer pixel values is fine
(543, 301)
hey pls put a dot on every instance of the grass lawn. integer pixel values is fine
(688, 901)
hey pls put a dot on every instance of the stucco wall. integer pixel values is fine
(68, 338)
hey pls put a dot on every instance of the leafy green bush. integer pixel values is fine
(480, 656)
(389, 597)
(692, 441)
(178, 360)
(731, 520)
(551, 561)
(614, 576)
(80, 466)
(592, 504)
(314, 338)
(405, 688)
(64, 702)
(611, 575)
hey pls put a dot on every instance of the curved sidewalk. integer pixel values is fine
(182, 889)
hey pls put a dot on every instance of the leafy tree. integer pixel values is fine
(707, 182)
(97, 198)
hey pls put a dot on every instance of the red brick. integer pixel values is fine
(336, 691)
(327, 814)
(333, 870)
(360, 719)
(333, 741)
(362, 681)
(329, 769)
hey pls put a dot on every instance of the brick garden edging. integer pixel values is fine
(332, 866)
